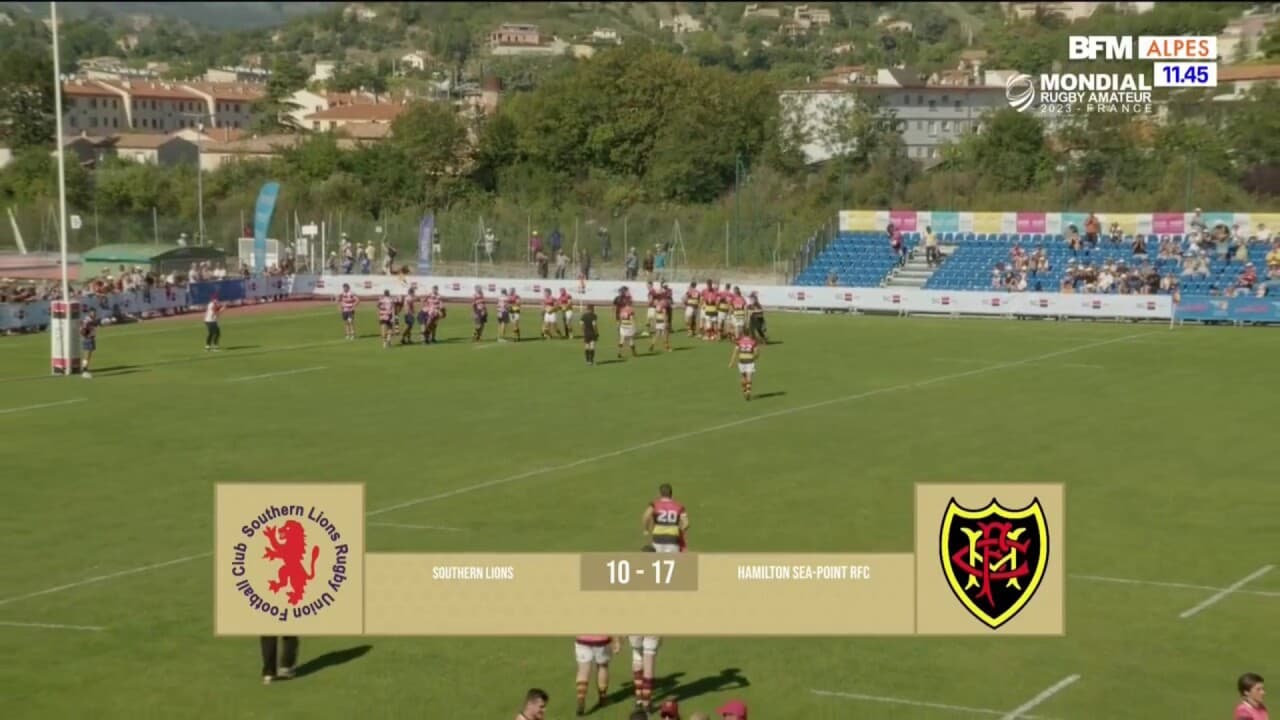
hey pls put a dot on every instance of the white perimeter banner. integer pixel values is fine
(905, 301)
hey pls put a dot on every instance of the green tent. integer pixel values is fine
(160, 259)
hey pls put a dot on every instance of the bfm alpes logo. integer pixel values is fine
(994, 558)
(293, 541)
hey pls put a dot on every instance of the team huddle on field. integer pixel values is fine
(713, 312)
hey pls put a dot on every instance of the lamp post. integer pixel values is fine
(200, 178)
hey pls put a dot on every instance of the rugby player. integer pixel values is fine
(89, 339)
(504, 314)
(409, 306)
(479, 313)
(651, 311)
(709, 310)
(744, 353)
(590, 333)
(691, 300)
(661, 323)
(514, 299)
(626, 329)
(565, 301)
(535, 705)
(595, 650)
(386, 314)
(1252, 693)
(347, 303)
(739, 306)
(666, 522)
(435, 313)
(211, 313)
(644, 660)
(548, 314)
(723, 297)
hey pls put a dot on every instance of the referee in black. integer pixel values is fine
(287, 657)
(590, 333)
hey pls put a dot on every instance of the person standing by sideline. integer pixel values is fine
(89, 337)
(1252, 693)
(278, 662)
(212, 312)
(535, 705)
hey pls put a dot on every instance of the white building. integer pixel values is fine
(324, 70)
(681, 23)
(414, 61)
(606, 35)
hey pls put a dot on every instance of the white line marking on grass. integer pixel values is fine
(417, 527)
(746, 421)
(1233, 587)
(1175, 585)
(282, 373)
(102, 578)
(543, 471)
(1026, 707)
(913, 703)
(959, 360)
(51, 626)
(24, 408)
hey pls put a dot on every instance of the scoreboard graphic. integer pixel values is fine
(292, 559)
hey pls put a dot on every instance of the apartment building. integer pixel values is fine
(103, 107)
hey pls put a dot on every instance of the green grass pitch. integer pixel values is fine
(1163, 438)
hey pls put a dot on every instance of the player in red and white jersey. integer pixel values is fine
(644, 661)
(565, 303)
(666, 522)
(692, 298)
(347, 303)
(504, 314)
(661, 323)
(745, 352)
(549, 307)
(1252, 693)
(386, 316)
(213, 334)
(710, 311)
(409, 309)
(595, 650)
(724, 304)
(435, 313)
(514, 299)
(738, 310)
(652, 294)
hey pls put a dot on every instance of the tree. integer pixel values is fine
(358, 77)
(26, 99)
(434, 141)
(1010, 154)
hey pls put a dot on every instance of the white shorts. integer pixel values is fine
(747, 369)
(626, 333)
(515, 318)
(708, 321)
(549, 318)
(651, 313)
(666, 547)
(660, 325)
(688, 313)
(598, 654)
(568, 317)
(642, 645)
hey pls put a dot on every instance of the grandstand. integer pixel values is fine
(864, 259)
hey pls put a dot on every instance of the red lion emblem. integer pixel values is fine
(291, 551)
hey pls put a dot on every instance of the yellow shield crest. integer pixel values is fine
(994, 558)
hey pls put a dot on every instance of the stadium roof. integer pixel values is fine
(143, 253)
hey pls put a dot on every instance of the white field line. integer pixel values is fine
(635, 448)
(1175, 585)
(24, 408)
(1224, 592)
(913, 703)
(1026, 707)
(50, 626)
(417, 527)
(103, 578)
(282, 373)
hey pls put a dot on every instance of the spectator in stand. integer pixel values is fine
(648, 265)
(632, 264)
(535, 244)
(1117, 235)
(1197, 223)
(931, 254)
(832, 279)
(562, 264)
(1246, 281)
(1073, 239)
(1140, 246)
(1092, 229)
(556, 241)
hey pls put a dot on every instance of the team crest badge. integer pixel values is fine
(994, 558)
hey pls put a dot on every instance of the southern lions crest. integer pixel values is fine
(994, 558)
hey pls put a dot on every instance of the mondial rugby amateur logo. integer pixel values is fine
(1064, 93)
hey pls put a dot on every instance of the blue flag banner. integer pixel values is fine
(262, 223)
(426, 231)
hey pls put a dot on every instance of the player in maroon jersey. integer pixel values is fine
(347, 303)
(666, 522)
(479, 313)
(745, 351)
(661, 323)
